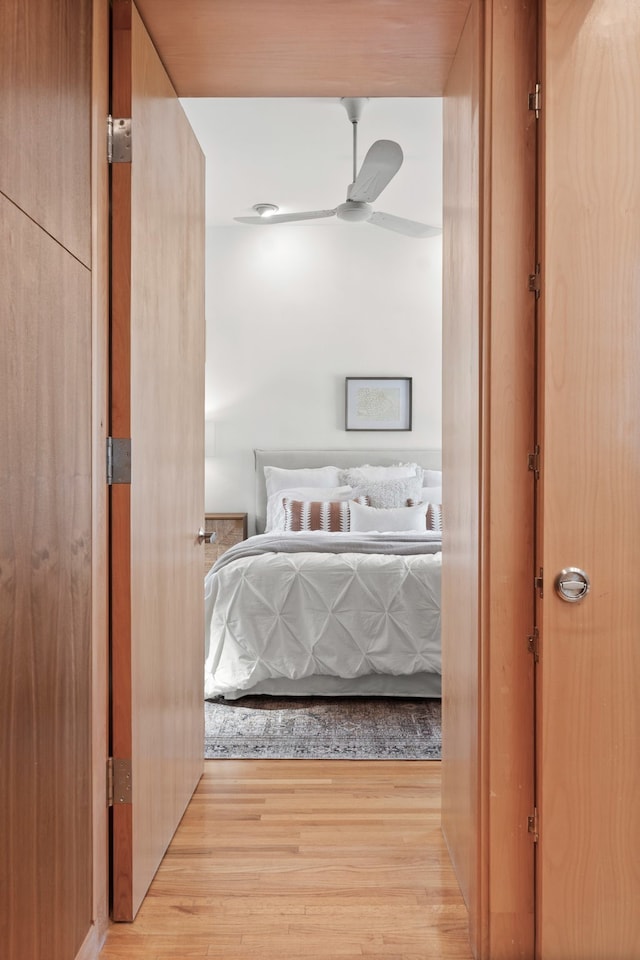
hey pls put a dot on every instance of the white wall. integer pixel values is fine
(291, 311)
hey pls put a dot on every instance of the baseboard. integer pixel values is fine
(94, 941)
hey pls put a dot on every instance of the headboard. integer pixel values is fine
(429, 459)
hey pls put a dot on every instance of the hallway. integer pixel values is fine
(321, 860)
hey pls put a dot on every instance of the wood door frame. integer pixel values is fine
(100, 504)
(501, 444)
(488, 425)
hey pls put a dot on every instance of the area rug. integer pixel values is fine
(323, 728)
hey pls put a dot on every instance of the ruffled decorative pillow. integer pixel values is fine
(391, 493)
(355, 476)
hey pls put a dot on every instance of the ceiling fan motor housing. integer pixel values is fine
(354, 211)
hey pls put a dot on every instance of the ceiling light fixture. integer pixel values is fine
(265, 209)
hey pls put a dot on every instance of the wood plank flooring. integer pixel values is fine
(304, 860)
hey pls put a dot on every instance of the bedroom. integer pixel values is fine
(294, 309)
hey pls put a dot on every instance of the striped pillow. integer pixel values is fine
(330, 516)
(434, 515)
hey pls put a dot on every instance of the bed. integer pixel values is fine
(338, 591)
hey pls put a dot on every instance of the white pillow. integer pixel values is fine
(281, 478)
(387, 519)
(391, 493)
(394, 472)
(431, 494)
(356, 475)
(275, 504)
(432, 478)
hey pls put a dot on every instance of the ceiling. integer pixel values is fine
(306, 48)
(292, 145)
(297, 153)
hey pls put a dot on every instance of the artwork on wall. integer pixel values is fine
(378, 403)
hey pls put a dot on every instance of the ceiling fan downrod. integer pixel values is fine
(354, 107)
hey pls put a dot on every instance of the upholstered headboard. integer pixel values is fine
(292, 459)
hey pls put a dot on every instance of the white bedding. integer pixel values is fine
(285, 617)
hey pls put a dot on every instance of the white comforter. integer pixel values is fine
(298, 614)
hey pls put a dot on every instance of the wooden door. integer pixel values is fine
(157, 381)
(588, 897)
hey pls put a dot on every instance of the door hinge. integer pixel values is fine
(535, 100)
(539, 581)
(118, 460)
(118, 140)
(533, 644)
(532, 825)
(533, 461)
(118, 781)
(534, 282)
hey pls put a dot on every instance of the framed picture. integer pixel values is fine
(378, 403)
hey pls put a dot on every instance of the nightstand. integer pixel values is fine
(229, 528)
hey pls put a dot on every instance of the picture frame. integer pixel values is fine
(378, 403)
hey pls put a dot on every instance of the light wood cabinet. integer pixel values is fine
(229, 528)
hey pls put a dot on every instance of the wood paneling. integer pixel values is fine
(289, 48)
(488, 430)
(158, 399)
(45, 78)
(304, 859)
(589, 710)
(45, 583)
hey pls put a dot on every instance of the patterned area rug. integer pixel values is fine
(322, 728)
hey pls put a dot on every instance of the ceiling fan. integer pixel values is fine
(382, 162)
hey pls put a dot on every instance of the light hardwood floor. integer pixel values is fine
(304, 860)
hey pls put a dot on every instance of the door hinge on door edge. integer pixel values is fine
(118, 460)
(118, 139)
(532, 825)
(533, 461)
(535, 100)
(118, 781)
(534, 282)
(533, 641)
(538, 582)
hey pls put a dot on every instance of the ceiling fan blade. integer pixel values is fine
(287, 217)
(382, 162)
(410, 228)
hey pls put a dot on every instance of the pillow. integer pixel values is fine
(432, 478)
(366, 519)
(281, 478)
(434, 517)
(275, 506)
(331, 516)
(392, 493)
(357, 475)
(431, 495)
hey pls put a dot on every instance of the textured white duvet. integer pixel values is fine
(295, 615)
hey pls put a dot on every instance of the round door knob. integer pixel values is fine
(572, 584)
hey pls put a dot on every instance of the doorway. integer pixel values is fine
(484, 462)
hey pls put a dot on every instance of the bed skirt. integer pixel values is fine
(371, 685)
